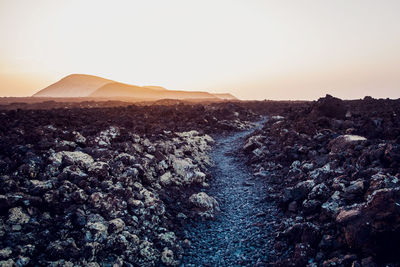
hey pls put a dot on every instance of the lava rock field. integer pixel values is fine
(333, 170)
(104, 184)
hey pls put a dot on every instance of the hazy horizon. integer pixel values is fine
(251, 49)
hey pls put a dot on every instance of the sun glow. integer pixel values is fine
(253, 49)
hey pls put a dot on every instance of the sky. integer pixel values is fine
(254, 49)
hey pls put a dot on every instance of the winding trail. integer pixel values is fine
(241, 234)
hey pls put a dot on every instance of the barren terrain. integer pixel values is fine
(256, 183)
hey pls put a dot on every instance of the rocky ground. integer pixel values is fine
(107, 186)
(100, 184)
(242, 232)
(332, 167)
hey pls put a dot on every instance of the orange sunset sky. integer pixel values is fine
(254, 49)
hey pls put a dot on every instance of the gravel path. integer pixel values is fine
(242, 234)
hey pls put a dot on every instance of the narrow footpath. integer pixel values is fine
(241, 234)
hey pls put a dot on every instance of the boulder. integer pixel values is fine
(342, 142)
(253, 143)
(375, 225)
(167, 257)
(104, 138)
(79, 138)
(116, 226)
(17, 216)
(319, 192)
(204, 205)
(71, 158)
(331, 207)
(97, 231)
(99, 169)
(299, 191)
(331, 107)
(354, 190)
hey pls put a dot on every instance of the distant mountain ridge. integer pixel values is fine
(225, 96)
(83, 85)
(74, 85)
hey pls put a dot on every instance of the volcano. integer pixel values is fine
(82, 85)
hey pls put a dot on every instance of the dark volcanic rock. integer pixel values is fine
(106, 186)
(101, 184)
(331, 107)
(334, 165)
